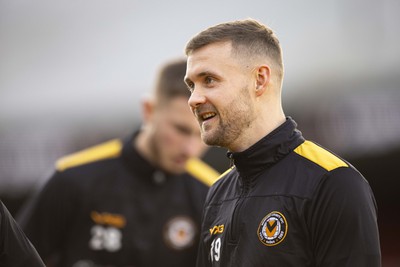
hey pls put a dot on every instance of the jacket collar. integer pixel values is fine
(268, 150)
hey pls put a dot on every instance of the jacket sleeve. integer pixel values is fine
(15, 248)
(343, 221)
(46, 216)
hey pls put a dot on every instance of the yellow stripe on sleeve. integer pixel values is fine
(110, 149)
(320, 156)
(202, 171)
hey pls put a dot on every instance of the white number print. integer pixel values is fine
(107, 238)
(215, 251)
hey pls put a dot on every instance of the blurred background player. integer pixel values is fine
(15, 248)
(134, 202)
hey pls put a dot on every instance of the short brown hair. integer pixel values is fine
(169, 83)
(248, 37)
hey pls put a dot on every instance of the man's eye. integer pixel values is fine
(182, 129)
(209, 80)
(190, 86)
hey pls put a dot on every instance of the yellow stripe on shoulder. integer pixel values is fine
(202, 171)
(110, 149)
(320, 156)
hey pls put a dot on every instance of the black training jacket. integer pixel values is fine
(15, 248)
(289, 202)
(107, 206)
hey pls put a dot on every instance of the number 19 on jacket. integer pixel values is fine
(215, 251)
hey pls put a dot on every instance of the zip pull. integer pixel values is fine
(231, 160)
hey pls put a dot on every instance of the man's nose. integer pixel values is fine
(196, 98)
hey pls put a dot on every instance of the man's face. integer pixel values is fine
(175, 136)
(221, 98)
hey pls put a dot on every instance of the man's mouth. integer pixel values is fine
(207, 116)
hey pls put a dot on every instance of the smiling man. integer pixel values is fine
(286, 201)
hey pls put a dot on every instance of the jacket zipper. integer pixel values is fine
(235, 227)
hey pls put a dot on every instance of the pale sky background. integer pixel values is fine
(74, 60)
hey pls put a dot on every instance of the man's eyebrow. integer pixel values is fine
(199, 75)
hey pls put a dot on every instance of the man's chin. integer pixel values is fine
(209, 139)
(177, 168)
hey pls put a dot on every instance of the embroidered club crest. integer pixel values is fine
(272, 229)
(180, 232)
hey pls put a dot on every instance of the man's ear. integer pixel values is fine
(263, 77)
(147, 110)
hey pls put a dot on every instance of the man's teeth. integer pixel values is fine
(208, 115)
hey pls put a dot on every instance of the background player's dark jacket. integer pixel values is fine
(15, 248)
(289, 202)
(107, 206)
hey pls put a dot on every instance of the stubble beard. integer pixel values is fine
(232, 121)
